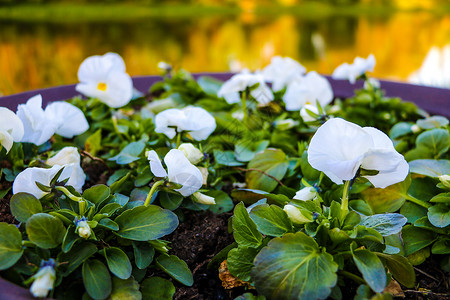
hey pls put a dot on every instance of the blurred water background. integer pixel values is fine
(42, 42)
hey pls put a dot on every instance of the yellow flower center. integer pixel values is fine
(102, 86)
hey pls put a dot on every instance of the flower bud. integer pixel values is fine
(445, 180)
(83, 228)
(204, 172)
(43, 279)
(305, 194)
(415, 128)
(203, 199)
(285, 124)
(193, 154)
(305, 115)
(295, 214)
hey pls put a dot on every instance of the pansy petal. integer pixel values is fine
(26, 180)
(166, 120)
(156, 166)
(69, 119)
(181, 171)
(119, 90)
(386, 178)
(67, 155)
(96, 68)
(11, 124)
(6, 140)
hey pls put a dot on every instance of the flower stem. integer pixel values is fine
(417, 201)
(178, 139)
(344, 202)
(152, 191)
(352, 276)
(244, 105)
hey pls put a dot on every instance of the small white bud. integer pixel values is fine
(445, 180)
(193, 154)
(295, 214)
(305, 115)
(306, 193)
(285, 124)
(83, 228)
(415, 128)
(203, 199)
(43, 280)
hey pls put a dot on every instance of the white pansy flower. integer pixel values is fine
(193, 154)
(240, 82)
(59, 117)
(82, 228)
(445, 180)
(69, 157)
(308, 90)
(44, 279)
(339, 148)
(25, 181)
(305, 194)
(351, 72)
(104, 77)
(195, 120)
(179, 170)
(203, 199)
(37, 128)
(11, 128)
(282, 71)
(295, 214)
(69, 120)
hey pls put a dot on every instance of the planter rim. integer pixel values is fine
(431, 99)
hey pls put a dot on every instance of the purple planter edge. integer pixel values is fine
(431, 99)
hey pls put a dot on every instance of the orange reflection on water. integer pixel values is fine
(41, 55)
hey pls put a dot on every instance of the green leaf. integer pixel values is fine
(76, 256)
(93, 143)
(10, 245)
(24, 205)
(45, 231)
(389, 199)
(125, 289)
(436, 141)
(432, 122)
(109, 209)
(294, 267)
(430, 167)
(143, 254)
(385, 224)
(419, 257)
(97, 194)
(249, 296)
(169, 200)
(371, 268)
(240, 262)
(109, 224)
(144, 223)
(439, 215)
(246, 150)
(244, 229)
(223, 202)
(308, 172)
(249, 196)
(400, 129)
(130, 153)
(441, 198)
(400, 268)
(119, 184)
(271, 220)
(96, 279)
(176, 268)
(415, 239)
(118, 262)
(442, 246)
(273, 162)
(413, 212)
(143, 177)
(226, 158)
(157, 288)
(69, 239)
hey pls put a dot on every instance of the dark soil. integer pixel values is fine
(197, 240)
